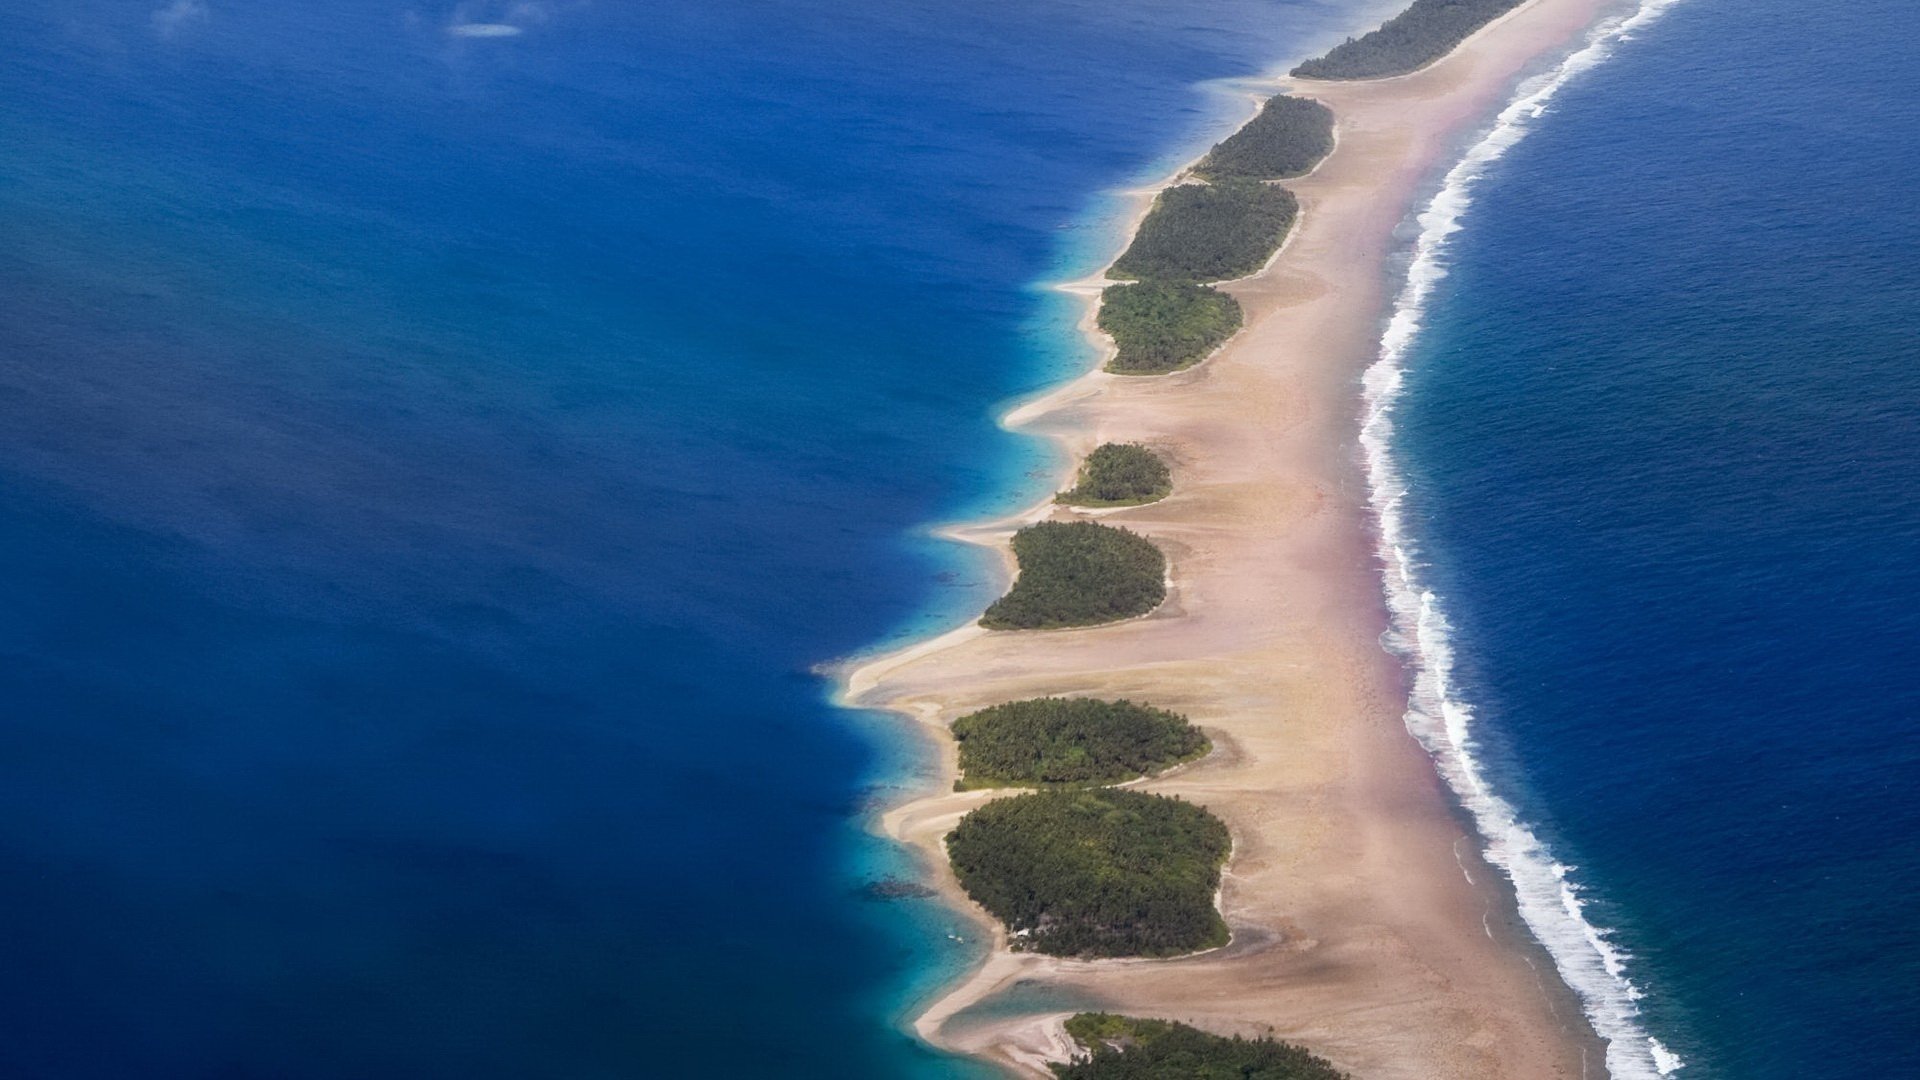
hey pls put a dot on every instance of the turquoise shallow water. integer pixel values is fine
(431, 467)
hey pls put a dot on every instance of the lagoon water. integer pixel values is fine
(438, 441)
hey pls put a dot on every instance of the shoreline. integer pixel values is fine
(1365, 924)
(1541, 893)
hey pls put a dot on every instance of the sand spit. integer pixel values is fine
(1364, 924)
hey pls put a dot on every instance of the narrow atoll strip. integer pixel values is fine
(1077, 871)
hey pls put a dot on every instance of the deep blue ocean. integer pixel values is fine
(438, 442)
(1662, 443)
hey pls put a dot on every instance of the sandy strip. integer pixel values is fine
(1364, 926)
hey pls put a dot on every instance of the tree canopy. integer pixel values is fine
(1425, 32)
(1288, 138)
(1125, 1048)
(1095, 872)
(1079, 573)
(1162, 326)
(1063, 741)
(1208, 232)
(1119, 474)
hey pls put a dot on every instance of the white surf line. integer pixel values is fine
(1548, 900)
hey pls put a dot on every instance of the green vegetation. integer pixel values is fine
(1079, 574)
(1123, 1048)
(1163, 326)
(1195, 233)
(1288, 138)
(1095, 872)
(1071, 741)
(1119, 474)
(1208, 232)
(1425, 32)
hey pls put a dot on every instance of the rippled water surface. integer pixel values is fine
(437, 441)
(1662, 439)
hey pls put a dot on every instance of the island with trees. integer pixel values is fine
(1208, 232)
(1119, 474)
(1095, 872)
(1126, 1048)
(1425, 32)
(1164, 326)
(1079, 573)
(1225, 226)
(1076, 867)
(1287, 139)
(1055, 741)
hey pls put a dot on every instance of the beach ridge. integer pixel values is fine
(1365, 925)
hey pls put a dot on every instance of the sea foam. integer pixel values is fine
(1548, 897)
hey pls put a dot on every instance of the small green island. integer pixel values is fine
(1125, 1048)
(1425, 32)
(1287, 139)
(1044, 742)
(1208, 232)
(1119, 474)
(1227, 226)
(1165, 326)
(1079, 573)
(1095, 871)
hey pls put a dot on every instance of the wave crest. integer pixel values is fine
(1548, 898)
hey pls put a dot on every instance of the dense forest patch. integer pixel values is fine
(1124, 1048)
(1425, 32)
(1047, 741)
(1288, 138)
(1095, 872)
(1119, 474)
(1208, 232)
(1162, 326)
(1079, 573)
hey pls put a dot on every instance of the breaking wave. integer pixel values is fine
(1549, 899)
